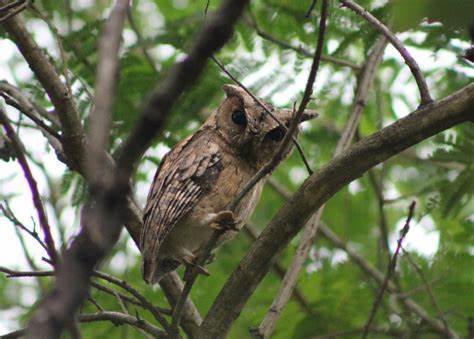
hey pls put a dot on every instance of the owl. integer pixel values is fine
(201, 175)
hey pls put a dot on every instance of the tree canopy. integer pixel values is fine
(366, 96)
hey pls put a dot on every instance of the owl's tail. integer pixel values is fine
(154, 270)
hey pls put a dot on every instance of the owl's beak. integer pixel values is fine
(309, 114)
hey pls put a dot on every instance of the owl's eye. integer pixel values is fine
(276, 134)
(239, 118)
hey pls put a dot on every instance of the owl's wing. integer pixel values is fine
(183, 176)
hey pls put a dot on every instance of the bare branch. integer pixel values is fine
(16, 7)
(105, 87)
(429, 290)
(73, 133)
(366, 78)
(317, 189)
(43, 220)
(390, 270)
(57, 310)
(284, 45)
(117, 318)
(425, 96)
(378, 276)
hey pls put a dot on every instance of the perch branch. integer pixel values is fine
(366, 79)
(322, 185)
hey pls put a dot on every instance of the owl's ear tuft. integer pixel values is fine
(237, 91)
(233, 91)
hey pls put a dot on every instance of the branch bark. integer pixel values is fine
(73, 132)
(365, 80)
(18, 148)
(105, 216)
(320, 187)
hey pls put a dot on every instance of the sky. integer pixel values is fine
(12, 182)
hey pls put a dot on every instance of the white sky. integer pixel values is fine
(11, 254)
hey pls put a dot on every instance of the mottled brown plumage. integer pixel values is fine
(201, 175)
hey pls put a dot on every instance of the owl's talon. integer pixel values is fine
(224, 221)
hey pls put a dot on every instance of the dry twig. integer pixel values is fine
(43, 219)
(390, 270)
(366, 78)
(409, 60)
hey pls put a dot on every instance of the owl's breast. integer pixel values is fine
(192, 232)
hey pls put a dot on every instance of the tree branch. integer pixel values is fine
(36, 197)
(217, 30)
(391, 268)
(318, 188)
(365, 81)
(425, 96)
(284, 45)
(266, 169)
(85, 251)
(73, 133)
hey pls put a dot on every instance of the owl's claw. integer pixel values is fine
(190, 262)
(224, 221)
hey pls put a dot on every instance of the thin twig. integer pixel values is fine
(155, 311)
(116, 318)
(8, 213)
(428, 288)
(16, 10)
(284, 45)
(391, 269)
(425, 96)
(36, 197)
(30, 113)
(310, 9)
(365, 80)
(140, 39)
(59, 42)
(264, 107)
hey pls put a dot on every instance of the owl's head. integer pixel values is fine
(249, 129)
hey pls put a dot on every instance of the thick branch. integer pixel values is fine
(106, 214)
(365, 80)
(320, 187)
